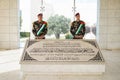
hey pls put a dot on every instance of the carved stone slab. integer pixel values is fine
(61, 51)
(61, 57)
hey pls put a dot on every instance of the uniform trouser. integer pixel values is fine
(77, 37)
(39, 38)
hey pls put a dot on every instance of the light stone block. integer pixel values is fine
(114, 45)
(113, 38)
(14, 4)
(114, 30)
(114, 21)
(103, 21)
(4, 4)
(4, 13)
(4, 37)
(103, 14)
(114, 4)
(103, 4)
(117, 13)
(14, 12)
(103, 37)
(113, 13)
(14, 44)
(4, 45)
(64, 69)
(14, 37)
(14, 29)
(103, 29)
(13, 21)
(4, 21)
(4, 29)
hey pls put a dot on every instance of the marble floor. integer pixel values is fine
(10, 68)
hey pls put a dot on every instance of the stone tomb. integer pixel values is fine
(62, 56)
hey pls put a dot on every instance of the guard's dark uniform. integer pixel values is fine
(74, 27)
(37, 25)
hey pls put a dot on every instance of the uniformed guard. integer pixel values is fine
(77, 27)
(39, 27)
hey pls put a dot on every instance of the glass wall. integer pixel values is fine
(59, 14)
(25, 21)
(88, 11)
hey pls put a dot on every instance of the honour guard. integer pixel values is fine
(40, 28)
(77, 28)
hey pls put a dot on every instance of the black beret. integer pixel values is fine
(40, 14)
(77, 14)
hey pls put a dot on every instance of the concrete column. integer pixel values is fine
(109, 24)
(9, 30)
